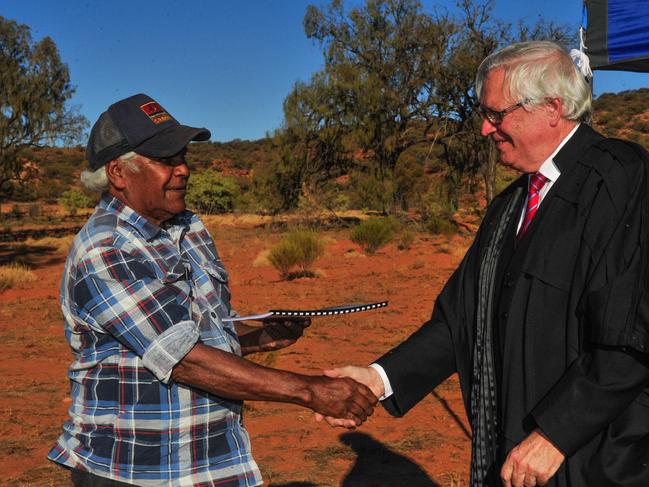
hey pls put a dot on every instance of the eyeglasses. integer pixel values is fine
(497, 117)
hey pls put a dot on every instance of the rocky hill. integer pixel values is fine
(624, 115)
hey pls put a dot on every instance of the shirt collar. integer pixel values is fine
(148, 230)
(549, 169)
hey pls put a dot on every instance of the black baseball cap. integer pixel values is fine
(139, 124)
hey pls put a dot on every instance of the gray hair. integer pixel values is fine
(97, 181)
(538, 70)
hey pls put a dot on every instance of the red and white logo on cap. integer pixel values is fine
(155, 112)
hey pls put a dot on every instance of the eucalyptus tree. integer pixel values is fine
(34, 93)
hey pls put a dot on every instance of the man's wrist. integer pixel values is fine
(384, 383)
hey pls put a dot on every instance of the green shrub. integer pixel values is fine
(373, 233)
(440, 204)
(209, 192)
(437, 225)
(369, 192)
(35, 209)
(406, 239)
(640, 125)
(74, 199)
(297, 249)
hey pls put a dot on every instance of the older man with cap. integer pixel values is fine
(158, 377)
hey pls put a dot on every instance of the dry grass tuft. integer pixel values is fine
(61, 244)
(262, 259)
(452, 480)
(14, 274)
(352, 254)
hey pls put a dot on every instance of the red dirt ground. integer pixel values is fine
(429, 447)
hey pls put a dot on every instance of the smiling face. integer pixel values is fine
(524, 139)
(157, 191)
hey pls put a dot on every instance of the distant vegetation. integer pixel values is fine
(75, 199)
(210, 192)
(240, 164)
(387, 126)
(34, 95)
(624, 115)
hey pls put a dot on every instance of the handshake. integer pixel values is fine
(348, 397)
(343, 397)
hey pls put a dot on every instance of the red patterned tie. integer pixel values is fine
(537, 181)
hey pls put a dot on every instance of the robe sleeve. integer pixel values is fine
(611, 370)
(429, 355)
(419, 364)
(595, 390)
(615, 302)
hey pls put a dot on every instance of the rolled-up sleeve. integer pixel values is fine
(119, 295)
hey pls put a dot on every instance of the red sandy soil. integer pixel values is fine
(429, 447)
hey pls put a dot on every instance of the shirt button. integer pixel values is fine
(212, 314)
(505, 315)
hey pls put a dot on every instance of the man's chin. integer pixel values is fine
(504, 160)
(177, 206)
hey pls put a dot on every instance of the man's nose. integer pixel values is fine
(182, 170)
(487, 128)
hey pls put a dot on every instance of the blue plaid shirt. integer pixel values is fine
(136, 298)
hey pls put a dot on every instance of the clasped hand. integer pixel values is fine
(364, 375)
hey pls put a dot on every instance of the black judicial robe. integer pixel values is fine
(571, 319)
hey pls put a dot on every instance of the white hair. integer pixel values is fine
(97, 181)
(538, 70)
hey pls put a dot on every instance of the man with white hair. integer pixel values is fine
(546, 319)
(158, 379)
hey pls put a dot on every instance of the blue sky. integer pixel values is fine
(225, 65)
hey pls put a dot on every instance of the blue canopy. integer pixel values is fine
(617, 34)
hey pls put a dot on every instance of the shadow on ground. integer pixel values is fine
(377, 465)
(33, 256)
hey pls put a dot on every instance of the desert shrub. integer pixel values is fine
(439, 205)
(406, 239)
(373, 233)
(35, 210)
(297, 249)
(210, 192)
(369, 192)
(615, 124)
(74, 199)
(13, 274)
(640, 125)
(436, 224)
(504, 177)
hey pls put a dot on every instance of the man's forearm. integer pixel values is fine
(227, 375)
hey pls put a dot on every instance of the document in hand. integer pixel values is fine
(301, 313)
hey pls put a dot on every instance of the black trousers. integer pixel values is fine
(85, 479)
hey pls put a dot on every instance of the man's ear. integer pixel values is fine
(555, 110)
(115, 172)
